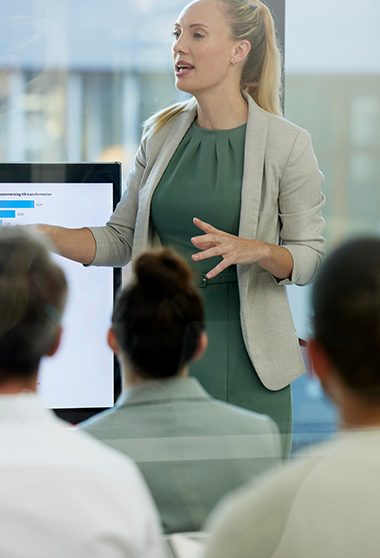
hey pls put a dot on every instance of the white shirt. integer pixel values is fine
(327, 504)
(65, 495)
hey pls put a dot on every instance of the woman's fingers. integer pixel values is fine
(205, 227)
(217, 269)
(207, 253)
(204, 240)
(205, 246)
(212, 236)
(232, 249)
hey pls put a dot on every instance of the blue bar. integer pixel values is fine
(17, 204)
(7, 213)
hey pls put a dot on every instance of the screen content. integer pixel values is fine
(80, 375)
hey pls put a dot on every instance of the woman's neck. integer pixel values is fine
(354, 420)
(15, 386)
(229, 111)
(359, 413)
(132, 378)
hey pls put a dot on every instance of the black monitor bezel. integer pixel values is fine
(97, 172)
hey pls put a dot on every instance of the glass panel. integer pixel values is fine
(77, 78)
(332, 90)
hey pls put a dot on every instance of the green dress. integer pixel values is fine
(203, 179)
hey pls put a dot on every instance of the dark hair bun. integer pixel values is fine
(162, 273)
(158, 317)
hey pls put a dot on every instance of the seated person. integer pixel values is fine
(190, 448)
(327, 503)
(63, 494)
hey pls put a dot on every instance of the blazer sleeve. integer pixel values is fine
(300, 204)
(114, 240)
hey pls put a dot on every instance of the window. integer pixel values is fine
(78, 78)
(333, 90)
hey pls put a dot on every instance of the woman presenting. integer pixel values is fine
(236, 189)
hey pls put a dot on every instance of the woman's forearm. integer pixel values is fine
(75, 244)
(277, 260)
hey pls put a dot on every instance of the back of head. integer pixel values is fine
(261, 76)
(32, 297)
(158, 319)
(346, 314)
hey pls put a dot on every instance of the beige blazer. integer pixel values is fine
(281, 204)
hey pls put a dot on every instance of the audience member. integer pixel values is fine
(328, 502)
(63, 494)
(191, 448)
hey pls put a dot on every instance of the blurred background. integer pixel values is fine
(78, 78)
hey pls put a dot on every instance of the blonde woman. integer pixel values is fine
(236, 189)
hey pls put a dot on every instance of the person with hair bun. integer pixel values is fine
(191, 448)
(234, 187)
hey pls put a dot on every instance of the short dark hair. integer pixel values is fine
(346, 313)
(158, 318)
(32, 298)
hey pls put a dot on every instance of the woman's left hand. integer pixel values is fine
(233, 249)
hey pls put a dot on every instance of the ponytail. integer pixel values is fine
(268, 92)
(261, 74)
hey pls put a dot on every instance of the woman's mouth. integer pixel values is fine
(183, 68)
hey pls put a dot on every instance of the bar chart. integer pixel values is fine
(11, 210)
(16, 204)
(7, 213)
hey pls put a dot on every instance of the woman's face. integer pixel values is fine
(203, 48)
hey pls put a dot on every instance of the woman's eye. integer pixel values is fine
(198, 36)
(175, 34)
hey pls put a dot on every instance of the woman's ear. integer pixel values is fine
(56, 343)
(326, 371)
(112, 341)
(240, 52)
(202, 346)
(320, 361)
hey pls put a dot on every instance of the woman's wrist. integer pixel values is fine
(275, 259)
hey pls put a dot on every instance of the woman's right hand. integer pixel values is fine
(75, 244)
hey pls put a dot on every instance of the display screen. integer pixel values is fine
(81, 374)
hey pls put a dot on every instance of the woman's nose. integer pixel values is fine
(179, 45)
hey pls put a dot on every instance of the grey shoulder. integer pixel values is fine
(270, 494)
(279, 128)
(284, 138)
(279, 125)
(98, 425)
(99, 454)
(239, 414)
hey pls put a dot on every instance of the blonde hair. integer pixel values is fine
(261, 74)
(159, 119)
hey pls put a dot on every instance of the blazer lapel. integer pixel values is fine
(254, 156)
(168, 143)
